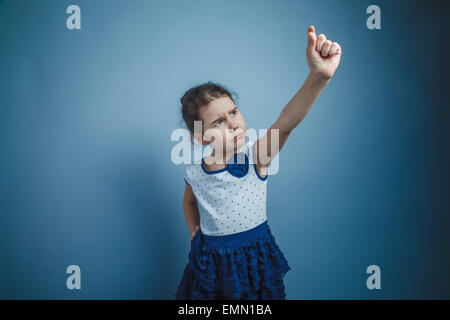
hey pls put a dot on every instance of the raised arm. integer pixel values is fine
(323, 58)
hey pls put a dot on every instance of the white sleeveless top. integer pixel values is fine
(229, 204)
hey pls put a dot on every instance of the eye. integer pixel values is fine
(217, 122)
(234, 111)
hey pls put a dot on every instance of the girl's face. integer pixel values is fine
(223, 126)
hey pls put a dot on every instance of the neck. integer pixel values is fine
(223, 162)
(226, 156)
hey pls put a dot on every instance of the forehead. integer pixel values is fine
(217, 108)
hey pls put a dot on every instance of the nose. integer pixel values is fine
(234, 124)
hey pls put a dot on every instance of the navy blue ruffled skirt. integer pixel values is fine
(247, 265)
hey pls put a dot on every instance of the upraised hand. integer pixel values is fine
(322, 55)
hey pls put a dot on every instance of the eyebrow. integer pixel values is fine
(221, 117)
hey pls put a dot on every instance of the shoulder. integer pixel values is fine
(191, 169)
(192, 172)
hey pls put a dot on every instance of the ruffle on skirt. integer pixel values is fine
(244, 266)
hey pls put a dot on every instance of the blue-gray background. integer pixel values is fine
(86, 117)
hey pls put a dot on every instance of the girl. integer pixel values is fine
(233, 252)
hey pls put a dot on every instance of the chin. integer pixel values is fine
(240, 143)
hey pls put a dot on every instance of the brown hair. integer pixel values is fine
(199, 96)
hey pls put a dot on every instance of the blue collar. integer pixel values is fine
(237, 168)
(234, 165)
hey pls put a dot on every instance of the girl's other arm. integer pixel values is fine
(323, 58)
(190, 210)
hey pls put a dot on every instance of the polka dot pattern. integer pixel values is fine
(232, 200)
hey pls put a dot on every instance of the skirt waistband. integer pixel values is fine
(235, 239)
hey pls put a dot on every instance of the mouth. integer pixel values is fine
(239, 136)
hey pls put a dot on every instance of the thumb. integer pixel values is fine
(311, 39)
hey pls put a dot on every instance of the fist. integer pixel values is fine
(322, 55)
